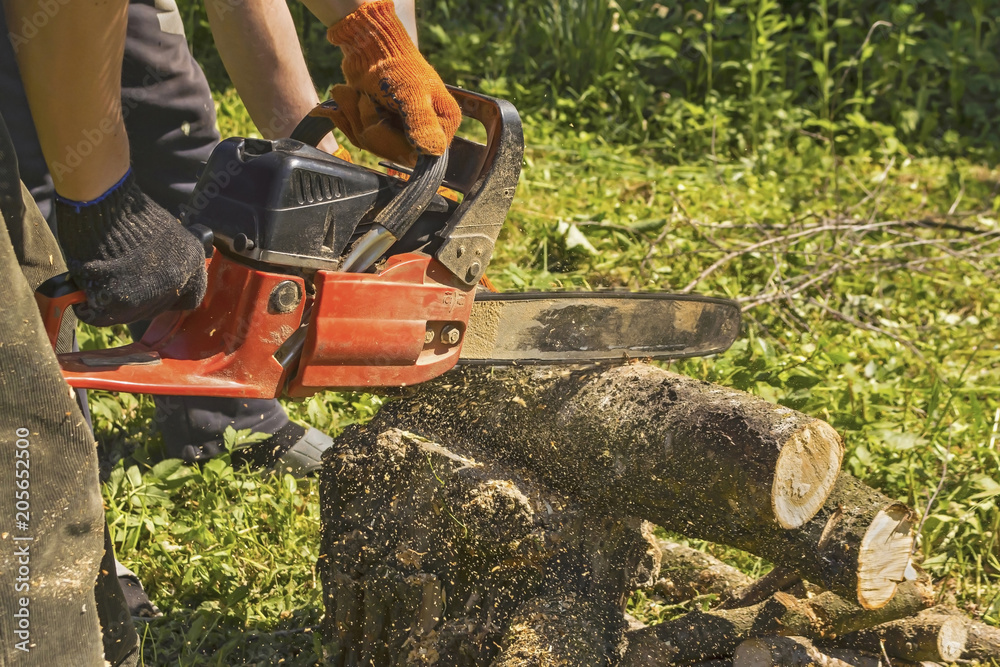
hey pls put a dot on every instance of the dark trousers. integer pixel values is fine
(59, 588)
(170, 119)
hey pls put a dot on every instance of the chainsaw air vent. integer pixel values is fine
(310, 187)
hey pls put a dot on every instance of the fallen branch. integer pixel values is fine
(778, 579)
(699, 635)
(687, 573)
(938, 638)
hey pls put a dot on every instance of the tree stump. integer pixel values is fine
(435, 555)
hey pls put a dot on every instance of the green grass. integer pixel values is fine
(870, 283)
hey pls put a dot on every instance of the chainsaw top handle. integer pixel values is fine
(313, 128)
(486, 174)
(393, 221)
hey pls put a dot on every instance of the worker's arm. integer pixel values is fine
(332, 11)
(260, 49)
(129, 255)
(72, 71)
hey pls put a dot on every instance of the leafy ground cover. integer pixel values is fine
(834, 174)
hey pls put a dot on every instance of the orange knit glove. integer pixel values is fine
(394, 103)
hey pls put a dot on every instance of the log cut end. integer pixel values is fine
(806, 471)
(952, 639)
(884, 555)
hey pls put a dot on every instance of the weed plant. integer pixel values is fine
(828, 164)
(736, 79)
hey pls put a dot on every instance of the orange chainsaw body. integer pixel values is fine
(359, 330)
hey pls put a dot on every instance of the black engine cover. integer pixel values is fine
(283, 202)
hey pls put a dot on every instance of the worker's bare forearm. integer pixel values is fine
(260, 48)
(71, 66)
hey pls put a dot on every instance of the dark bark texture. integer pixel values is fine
(687, 573)
(431, 555)
(634, 439)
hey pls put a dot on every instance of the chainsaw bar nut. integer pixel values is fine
(285, 297)
(450, 335)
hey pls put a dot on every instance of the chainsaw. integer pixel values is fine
(323, 274)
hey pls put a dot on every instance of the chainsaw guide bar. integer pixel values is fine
(582, 327)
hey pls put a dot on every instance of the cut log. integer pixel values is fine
(695, 458)
(700, 635)
(858, 545)
(429, 553)
(797, 652)
(687, 573)
(938, 638)
(638, 439)
(982, 641)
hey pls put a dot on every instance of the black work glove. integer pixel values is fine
(132, 258)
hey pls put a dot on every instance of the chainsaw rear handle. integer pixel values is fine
(60, 292)
(53, 297)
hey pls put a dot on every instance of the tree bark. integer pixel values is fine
(687, 573)
(797, 652)
(430, 554)
(638, 439)
(982, 641)
(700, 635)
